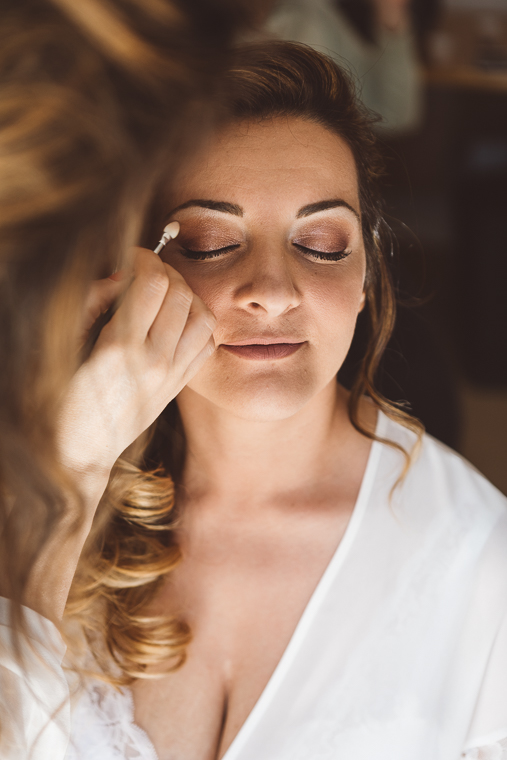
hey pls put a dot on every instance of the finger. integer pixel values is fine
(171, 321)
(196, 364)
(143, 298)
(196, 334)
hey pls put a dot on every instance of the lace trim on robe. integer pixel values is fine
(103, 727)
(496, 751)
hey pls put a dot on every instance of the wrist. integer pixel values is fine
(88, 485)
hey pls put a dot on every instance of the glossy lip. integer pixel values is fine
(267, 350)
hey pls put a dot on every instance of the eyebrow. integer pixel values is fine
(223, 206)
(232, 208)
(313, 208)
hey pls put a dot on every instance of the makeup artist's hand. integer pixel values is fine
(158, 338)
(156, 341)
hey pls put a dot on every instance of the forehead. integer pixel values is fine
(282, 161)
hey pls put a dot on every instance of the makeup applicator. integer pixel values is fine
(171, 231)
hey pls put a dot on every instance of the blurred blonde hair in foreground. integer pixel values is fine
(95, 95)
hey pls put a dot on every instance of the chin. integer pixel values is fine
(270, 409)
(260, 400)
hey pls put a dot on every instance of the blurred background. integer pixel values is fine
(447, 181)
(436, 71)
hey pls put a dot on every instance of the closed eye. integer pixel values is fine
(202, 255)
(323, 255)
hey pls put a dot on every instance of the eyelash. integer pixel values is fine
(323, 256)
(203, 255)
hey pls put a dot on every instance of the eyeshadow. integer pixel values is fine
(330, 239)
(203, 235)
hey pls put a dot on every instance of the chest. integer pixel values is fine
(243, 600)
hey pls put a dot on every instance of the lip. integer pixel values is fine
(258, 349)
(262, 340)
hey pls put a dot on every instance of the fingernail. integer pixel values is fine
(119, 275)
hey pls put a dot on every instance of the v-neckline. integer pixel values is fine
(316, 599)
(312, 607)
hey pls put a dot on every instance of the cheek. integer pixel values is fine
(338, 297)
(202, 284)
(212, 289)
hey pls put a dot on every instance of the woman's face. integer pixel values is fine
(271, 241)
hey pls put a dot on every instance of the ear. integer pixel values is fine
(362, 302)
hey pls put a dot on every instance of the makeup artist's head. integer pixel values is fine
(279, 222)
(97, 97)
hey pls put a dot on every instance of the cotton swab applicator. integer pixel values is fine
(170, 232)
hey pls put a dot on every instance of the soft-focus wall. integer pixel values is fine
(448, 182)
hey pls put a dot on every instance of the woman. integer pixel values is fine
(342, 576)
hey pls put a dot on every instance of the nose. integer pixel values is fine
(267, 282)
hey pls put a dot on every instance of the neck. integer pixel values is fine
(232, 461)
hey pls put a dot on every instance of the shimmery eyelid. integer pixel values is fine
(209, 254)
(331, 242)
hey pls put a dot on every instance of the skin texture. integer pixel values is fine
(274, 466)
